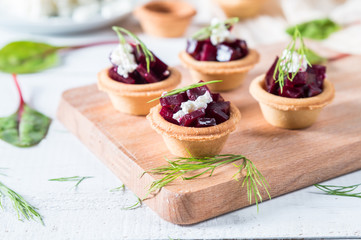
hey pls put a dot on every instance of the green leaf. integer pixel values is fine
(316, 29)
(27, 57)
(314, 58)
(24, 131)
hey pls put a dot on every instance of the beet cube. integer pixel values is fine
(113, 74)
(219, 111)
(190, 119)
(291, 92)
(217, 97)
(167, 114)
(174, 100)
(194, 93)
(206, 122)
(209, 52)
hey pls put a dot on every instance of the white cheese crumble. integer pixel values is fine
(190, 106)
(220, 33)
(298, 62)
(123, 57)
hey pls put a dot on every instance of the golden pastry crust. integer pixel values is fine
(213, 67)
(164, 127)
(257, 90)
(133, 98)
(290, 113)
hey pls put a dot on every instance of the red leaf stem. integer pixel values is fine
(21, 104)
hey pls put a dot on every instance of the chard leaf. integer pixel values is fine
(318, 29)
(314, 58)
(27, 57)
(24, 128)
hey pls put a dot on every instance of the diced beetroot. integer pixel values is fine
(112, 73)
(204, 50)
(218, 110)
(305, 84)
(149, 77)
(217, 97)
(190, 119)
(206, 122)
(209, 52)
(291, 92)
(167, 114)
(194, 93)
(174, 100)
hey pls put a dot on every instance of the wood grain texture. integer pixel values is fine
(289, 159)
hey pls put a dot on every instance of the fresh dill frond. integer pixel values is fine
(184, 168)
(136, 205)
(183, 89)
(149, 57)
(77, 179)
(284, 62)
(347, 191)
(120, 188)
(206, 32)
(23, 209)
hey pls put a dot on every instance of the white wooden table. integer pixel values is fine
(92, 211)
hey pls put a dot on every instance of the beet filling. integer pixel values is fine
(305, 84)
(204, 50)
(216, 112)
(158, 70)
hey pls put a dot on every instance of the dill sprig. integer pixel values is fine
(23, 209)
(120, 188)
(147, 53)
(340, 190)
(184, 168)
(183, 89)
(206, 32)
(136, 205)
(77, 179)
(285, 61)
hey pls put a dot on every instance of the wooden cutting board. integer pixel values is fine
(289, 159)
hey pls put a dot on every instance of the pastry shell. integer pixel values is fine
(232, 73)
(133, 98)
(241, 8)
(290, 113)
(197, 142)
(165, 18)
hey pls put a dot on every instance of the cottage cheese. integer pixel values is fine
(123, 57)
(298, 62)
(220, 33)
(190, 106)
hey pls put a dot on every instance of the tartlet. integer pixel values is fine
(133, 99)
(293, 91)
(197, 142)
(290, 113)
(165, 18)
(232, 73)
(195, 122)
(213, 53)
(136, 77)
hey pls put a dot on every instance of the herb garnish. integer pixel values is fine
(147, 53)
(206, 32)
(26, 127)
(120, 188)
(23, 209)
(340, 190)
(77, 179)
(183, 89)
(138, 204)
(316, 29)
(285, 61)
(183, 167)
